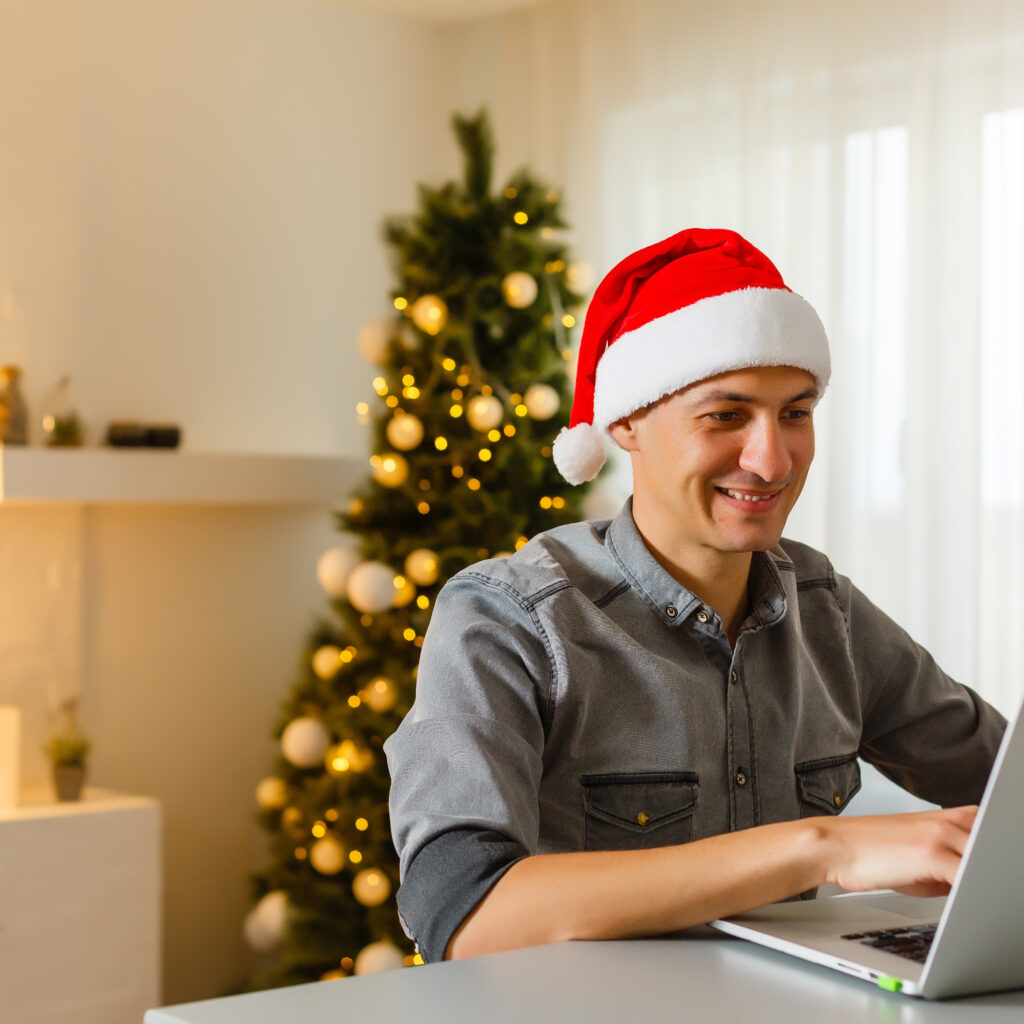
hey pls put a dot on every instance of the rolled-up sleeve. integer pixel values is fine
(466, 762)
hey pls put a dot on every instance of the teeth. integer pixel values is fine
(748, 497)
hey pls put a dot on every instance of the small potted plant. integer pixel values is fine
(68, 749)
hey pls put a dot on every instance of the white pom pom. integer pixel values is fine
(579, 453)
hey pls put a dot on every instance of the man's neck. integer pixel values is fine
(719, 579)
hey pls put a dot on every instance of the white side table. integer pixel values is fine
(80, 891)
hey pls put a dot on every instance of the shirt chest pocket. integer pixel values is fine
(635, 810)
(827, 785)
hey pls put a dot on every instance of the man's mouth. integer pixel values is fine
(746, 495)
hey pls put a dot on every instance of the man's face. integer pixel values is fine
(719, 465)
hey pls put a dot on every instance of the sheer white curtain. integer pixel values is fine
(876, 152)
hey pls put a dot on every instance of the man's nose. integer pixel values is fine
(765, 451)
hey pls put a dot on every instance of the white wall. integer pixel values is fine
(190, 194)
(190, 199)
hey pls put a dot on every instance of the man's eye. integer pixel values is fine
(725, 417)
(798, 414)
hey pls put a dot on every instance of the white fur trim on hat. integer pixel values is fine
(733, 331)
(579, 453)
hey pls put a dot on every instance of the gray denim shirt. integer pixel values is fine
(577, 697)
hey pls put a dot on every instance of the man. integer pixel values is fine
(635, 726)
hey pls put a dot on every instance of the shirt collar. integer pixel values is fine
(675, 603)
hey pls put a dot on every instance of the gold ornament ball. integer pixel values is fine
(334, 566)
(292, 823)
(272, 793)
(371, 587)
(519, 289)
(404, 431)
(373, 340)
(541, 401)
(371, 887)
(326, 661)
(380, 694)
(430, 314)
(359, 758)
(404, 594)
(422, 566)
(327, 855)
(304, 741)
(390, 469)
(484, 412)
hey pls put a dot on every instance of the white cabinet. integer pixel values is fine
(80, 893)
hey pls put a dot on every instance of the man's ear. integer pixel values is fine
(624, 433)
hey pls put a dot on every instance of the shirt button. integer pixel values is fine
(671, 611)
(741, 779)
(836, 799)
(642, 818)
(734, 677)
(702, 616)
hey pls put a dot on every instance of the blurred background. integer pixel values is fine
(190, 200)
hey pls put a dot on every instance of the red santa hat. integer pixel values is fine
(700, 303)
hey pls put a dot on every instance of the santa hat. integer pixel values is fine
(700, 303)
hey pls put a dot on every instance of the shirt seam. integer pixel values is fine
(528, 605)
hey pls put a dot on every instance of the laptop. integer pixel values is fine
(968, 942)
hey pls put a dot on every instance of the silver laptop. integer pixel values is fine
(967, 942)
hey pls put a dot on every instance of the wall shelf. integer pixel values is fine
(153, 476)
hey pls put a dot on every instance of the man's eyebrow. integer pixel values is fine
(735, 396)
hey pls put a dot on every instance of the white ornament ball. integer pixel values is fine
(264, 925)
(380, 694)
(541, 401)
(404, 431)
(371, 587)
(272, 793)
(422, 566)
(377, 957)
(519, 289)
(326, 661)
(327, 855)
(580, 276)
(390, 469)
(430, 314)
(304, 741)
(374, 338)
(371, 887)
(484, 412)
(334, 566)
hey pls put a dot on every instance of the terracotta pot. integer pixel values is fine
(68, 780)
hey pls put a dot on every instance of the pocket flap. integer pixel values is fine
(640, 801)
(829, 783)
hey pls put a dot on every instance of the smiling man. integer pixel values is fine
(637, 725)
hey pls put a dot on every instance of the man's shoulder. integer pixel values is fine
(571, 556)
(809, 565)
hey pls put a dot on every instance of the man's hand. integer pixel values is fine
(917, 854)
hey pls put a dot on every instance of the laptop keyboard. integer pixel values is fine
(913, 942)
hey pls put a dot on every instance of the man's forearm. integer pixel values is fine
(625, 893)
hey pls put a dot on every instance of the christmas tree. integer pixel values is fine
(472, 387)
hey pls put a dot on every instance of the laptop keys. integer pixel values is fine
(912, 942)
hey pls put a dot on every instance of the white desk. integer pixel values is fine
(79, 909)
(699, 976)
